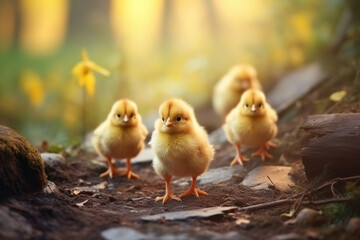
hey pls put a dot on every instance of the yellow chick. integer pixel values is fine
(228, 91)
(120, 136)
(251, 123)
(181, 146)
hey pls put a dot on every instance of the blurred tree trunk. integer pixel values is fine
(43, 25)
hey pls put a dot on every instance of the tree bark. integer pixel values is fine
(334, 150)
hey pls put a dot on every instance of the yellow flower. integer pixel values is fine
(32, 85)
(83, 71)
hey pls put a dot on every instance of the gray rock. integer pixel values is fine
(182, 215)
(161, 232)
(217, 136)
(146, 155)
(288, 236)
(51, 188)
(279, 175)
(13, 225)
(353, 226)
(52, 159)
(295, 85)
(309, 217)
(213, 176)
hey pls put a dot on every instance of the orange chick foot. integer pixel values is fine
(166, 197)
(194, 190)
(129, 174)
(262, 152)
(128, 171)
(239, 159)
(110, 172)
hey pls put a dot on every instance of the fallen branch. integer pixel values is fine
(300, 201)
(285, 201)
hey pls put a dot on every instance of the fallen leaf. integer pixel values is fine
(241, 221)
(289, 214)
(337, 96)
(89, 189)
(82, 203)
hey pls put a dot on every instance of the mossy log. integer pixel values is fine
(21, 166)
(334, 150)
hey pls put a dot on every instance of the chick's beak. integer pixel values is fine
(126, 118)
(168, 122)
(253, 108)
(245, 85)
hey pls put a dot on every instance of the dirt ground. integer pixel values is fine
(123, 202)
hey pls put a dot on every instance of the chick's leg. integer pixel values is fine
(111, 171)
(128, 171)
(168, 193)
(262, 152)
(193, 190)
(239, 157)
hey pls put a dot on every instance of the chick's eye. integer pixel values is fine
(162, 119)
(118, 115)
(132, 115)
(247, 105)
(178, 119)
(259, 105)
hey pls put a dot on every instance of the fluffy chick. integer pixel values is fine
(251, 123)
(120, 136)
(181, 146)
(228, 91)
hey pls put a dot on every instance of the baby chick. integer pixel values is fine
(121, 135)
(180, 145)
(228, 90)
(251, 123)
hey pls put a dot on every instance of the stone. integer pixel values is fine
(52, 159)
(212, 176)
(182, 215)
(287, 236)
(295, 85)
(21, 166)
(145, 156)
(353, 226)
(51, 188)
(309, 217)
(13, 225)
(279, 175)
(162, 232)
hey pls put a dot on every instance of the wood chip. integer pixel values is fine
(89, 189)
(82, 203)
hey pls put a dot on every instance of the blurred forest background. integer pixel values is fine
(153, 49)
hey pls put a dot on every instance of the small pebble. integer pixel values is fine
(52, 159)
(308, 217)
(353, 226)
